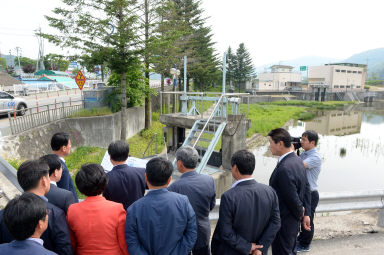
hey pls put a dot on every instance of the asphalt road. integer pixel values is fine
(42, 100)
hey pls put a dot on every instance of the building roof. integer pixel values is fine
(282, 66)
(51, 72)
(346, 64)
(66, 81)
(7, 80)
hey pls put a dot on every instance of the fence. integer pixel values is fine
(37, 117)
(341, 201)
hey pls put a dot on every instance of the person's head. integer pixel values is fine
(26, 216)
(118, 151)
(279, 141)
(309, 140)
(61, 144)
(33, 176)
(243, 163)
(187, 158)
(55, 167)
(94, 85)
(91, 180)
(158, 172)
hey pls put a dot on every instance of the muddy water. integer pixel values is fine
(351, 145)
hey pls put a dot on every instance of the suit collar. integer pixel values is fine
(94, 199)
(246, 182)
(154, 192)
(190, 173)
(121, 166)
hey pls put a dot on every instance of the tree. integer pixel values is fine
(196, 44)
(27, 61)
(244, 67)
(29, 68)
(56, 62)
(88, 25)
(3, 63)
(95, 58)
(10, 70)
(231, 64)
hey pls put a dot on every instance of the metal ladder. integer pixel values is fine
(205, 132)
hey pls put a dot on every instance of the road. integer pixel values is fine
(41, 100)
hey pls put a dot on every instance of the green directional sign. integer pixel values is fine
(303, 68)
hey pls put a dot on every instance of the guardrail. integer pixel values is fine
(340, 201)
(40, 117)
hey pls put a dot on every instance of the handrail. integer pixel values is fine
(340, 201)
(210, 117)
(154, 137)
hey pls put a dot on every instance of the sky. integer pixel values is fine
(272, 30)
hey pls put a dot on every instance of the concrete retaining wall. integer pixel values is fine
(90, 131)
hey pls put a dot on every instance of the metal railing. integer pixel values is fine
(340, 201)
(149, 150)
(37, 117)
(200, 102)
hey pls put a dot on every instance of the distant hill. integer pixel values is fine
(374, 58)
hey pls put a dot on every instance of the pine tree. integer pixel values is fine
(244, 67)
(88, 25)
(231, 64)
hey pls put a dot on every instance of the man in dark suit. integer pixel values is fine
(291, 185)
(162, 222)
(125, 184)
(201, 192)
(32, 176)
(61, 146)
(249, 212)
(62, 198)
(26, 225)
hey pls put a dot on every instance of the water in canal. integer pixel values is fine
(351, 144)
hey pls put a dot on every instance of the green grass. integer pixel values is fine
(267, 117)
(83, 155)
(15, 162)
(327, 105)
(91, 112)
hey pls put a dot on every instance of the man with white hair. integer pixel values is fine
(201, 192)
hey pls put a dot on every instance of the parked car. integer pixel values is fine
(101, 85)
(8, 102)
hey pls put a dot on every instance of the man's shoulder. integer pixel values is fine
(54, 209)
(125, 170)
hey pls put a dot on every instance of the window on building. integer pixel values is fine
(337, 70)
(354, 71)
(359, 72)
(336, 86)
(349, 71)
(348, 87)
(358, 87)
(341, 86)
(343, 71)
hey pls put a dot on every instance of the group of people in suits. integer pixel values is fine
(116, 218)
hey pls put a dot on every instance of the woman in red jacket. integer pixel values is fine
(96, 224)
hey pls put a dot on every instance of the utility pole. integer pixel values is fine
(18, 56)
(41, 49)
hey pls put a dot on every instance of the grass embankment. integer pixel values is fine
(267, 116)
(91, 112)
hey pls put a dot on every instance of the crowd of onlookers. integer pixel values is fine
(117, 217)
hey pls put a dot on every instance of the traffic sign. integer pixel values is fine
(303, 68)
(80, 80)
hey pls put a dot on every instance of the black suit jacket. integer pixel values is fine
(125, 185)
(60, 197)
(249, 213)
(56, 238)
(66, 181)
(289, 180)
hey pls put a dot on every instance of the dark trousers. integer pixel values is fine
(305, 237)
(285, 240)
(201, 251)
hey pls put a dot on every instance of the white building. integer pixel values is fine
(280, 78)
(338, 77)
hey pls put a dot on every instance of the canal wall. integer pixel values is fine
(97, 131)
